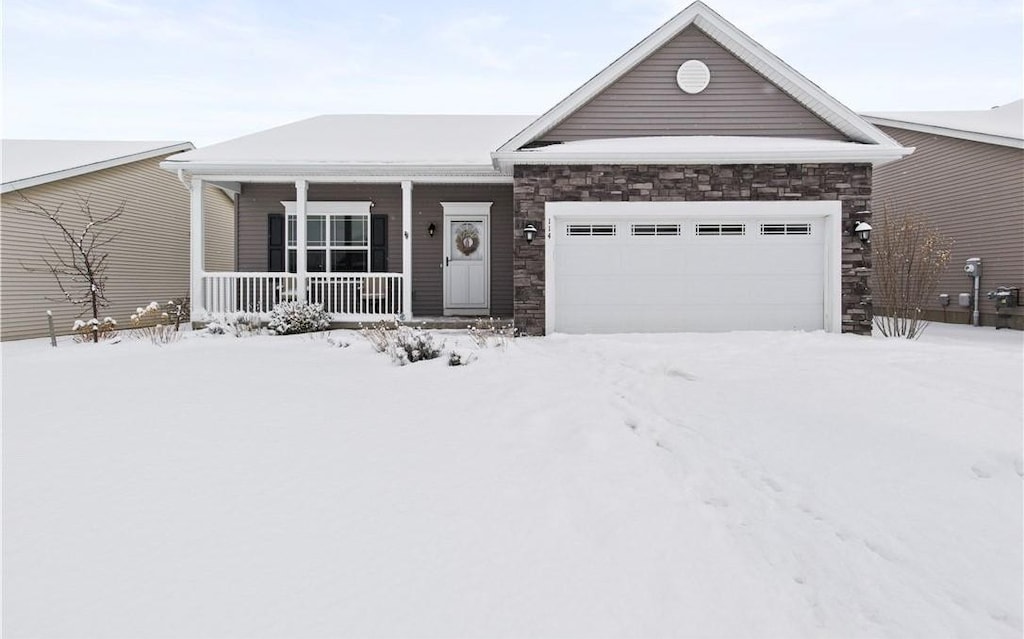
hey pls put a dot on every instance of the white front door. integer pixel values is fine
(467, 258)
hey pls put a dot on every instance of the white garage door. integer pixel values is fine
(688, 273)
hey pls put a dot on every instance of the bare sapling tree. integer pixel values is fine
(909, 257)
(78, 262)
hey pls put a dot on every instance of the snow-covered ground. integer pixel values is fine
(721, 485)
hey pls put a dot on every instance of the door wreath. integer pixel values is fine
(467, 239)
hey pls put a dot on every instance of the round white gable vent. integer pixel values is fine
(693, 76)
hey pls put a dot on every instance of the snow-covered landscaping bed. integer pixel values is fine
(725, 485)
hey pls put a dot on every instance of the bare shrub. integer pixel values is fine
(94, 330)
(379, 334)
(155, 324)
(489, 332)
(909, 257)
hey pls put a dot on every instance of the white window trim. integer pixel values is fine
(329, 210)
(830, 211)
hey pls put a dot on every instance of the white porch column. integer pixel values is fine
(197, 247)
(300, 239)
(407, 249)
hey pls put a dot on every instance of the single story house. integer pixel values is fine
(967, 179)
(148, 260)
(697, 183)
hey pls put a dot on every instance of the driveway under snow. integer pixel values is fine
(728, 485)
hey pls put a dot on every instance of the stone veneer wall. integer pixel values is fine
(536, 184)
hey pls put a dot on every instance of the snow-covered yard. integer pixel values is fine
(726, 485)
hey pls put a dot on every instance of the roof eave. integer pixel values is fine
(46, 178)
(950, 132)
(333, 169)
(874, 154)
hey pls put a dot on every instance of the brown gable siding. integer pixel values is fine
(647, 101)
(149, 261)
(972, 192)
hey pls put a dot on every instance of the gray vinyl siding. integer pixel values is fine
(218, 230)
(258, 200)
(972, 192)
(646, 101)
(427, 252)
(149, 261)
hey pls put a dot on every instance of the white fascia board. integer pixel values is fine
(813, 97)
(95, 166)
(873, 153)
(291, 178)
(228, 171)
(973, 136)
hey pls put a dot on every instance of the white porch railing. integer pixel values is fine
(358, 296)
(346, 296)
(246, 292)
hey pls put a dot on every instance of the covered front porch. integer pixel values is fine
(365, 248)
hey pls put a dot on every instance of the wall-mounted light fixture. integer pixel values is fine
(529, 232)
(431, 229)
(863, 231)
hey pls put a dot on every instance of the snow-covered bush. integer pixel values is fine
(411, 345)
(234, 324)
(155, 324)
(94, 330)
(288, 318)
(490, 332)
(458, 359)
(403, 344)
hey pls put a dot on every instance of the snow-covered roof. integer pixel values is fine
(28, 163)
(350, 143)
(1003, 125)
(711, 149)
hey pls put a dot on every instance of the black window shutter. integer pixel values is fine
(379, 243)
(275, 243)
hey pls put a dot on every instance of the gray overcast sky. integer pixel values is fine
(211, 70)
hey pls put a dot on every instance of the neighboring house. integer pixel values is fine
(148, 260)
(697, 183)
(967, 178)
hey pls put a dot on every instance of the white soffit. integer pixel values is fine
(739, 44)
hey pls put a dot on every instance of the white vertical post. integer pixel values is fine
(300, 239)
(196, 248)
(407, 249)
